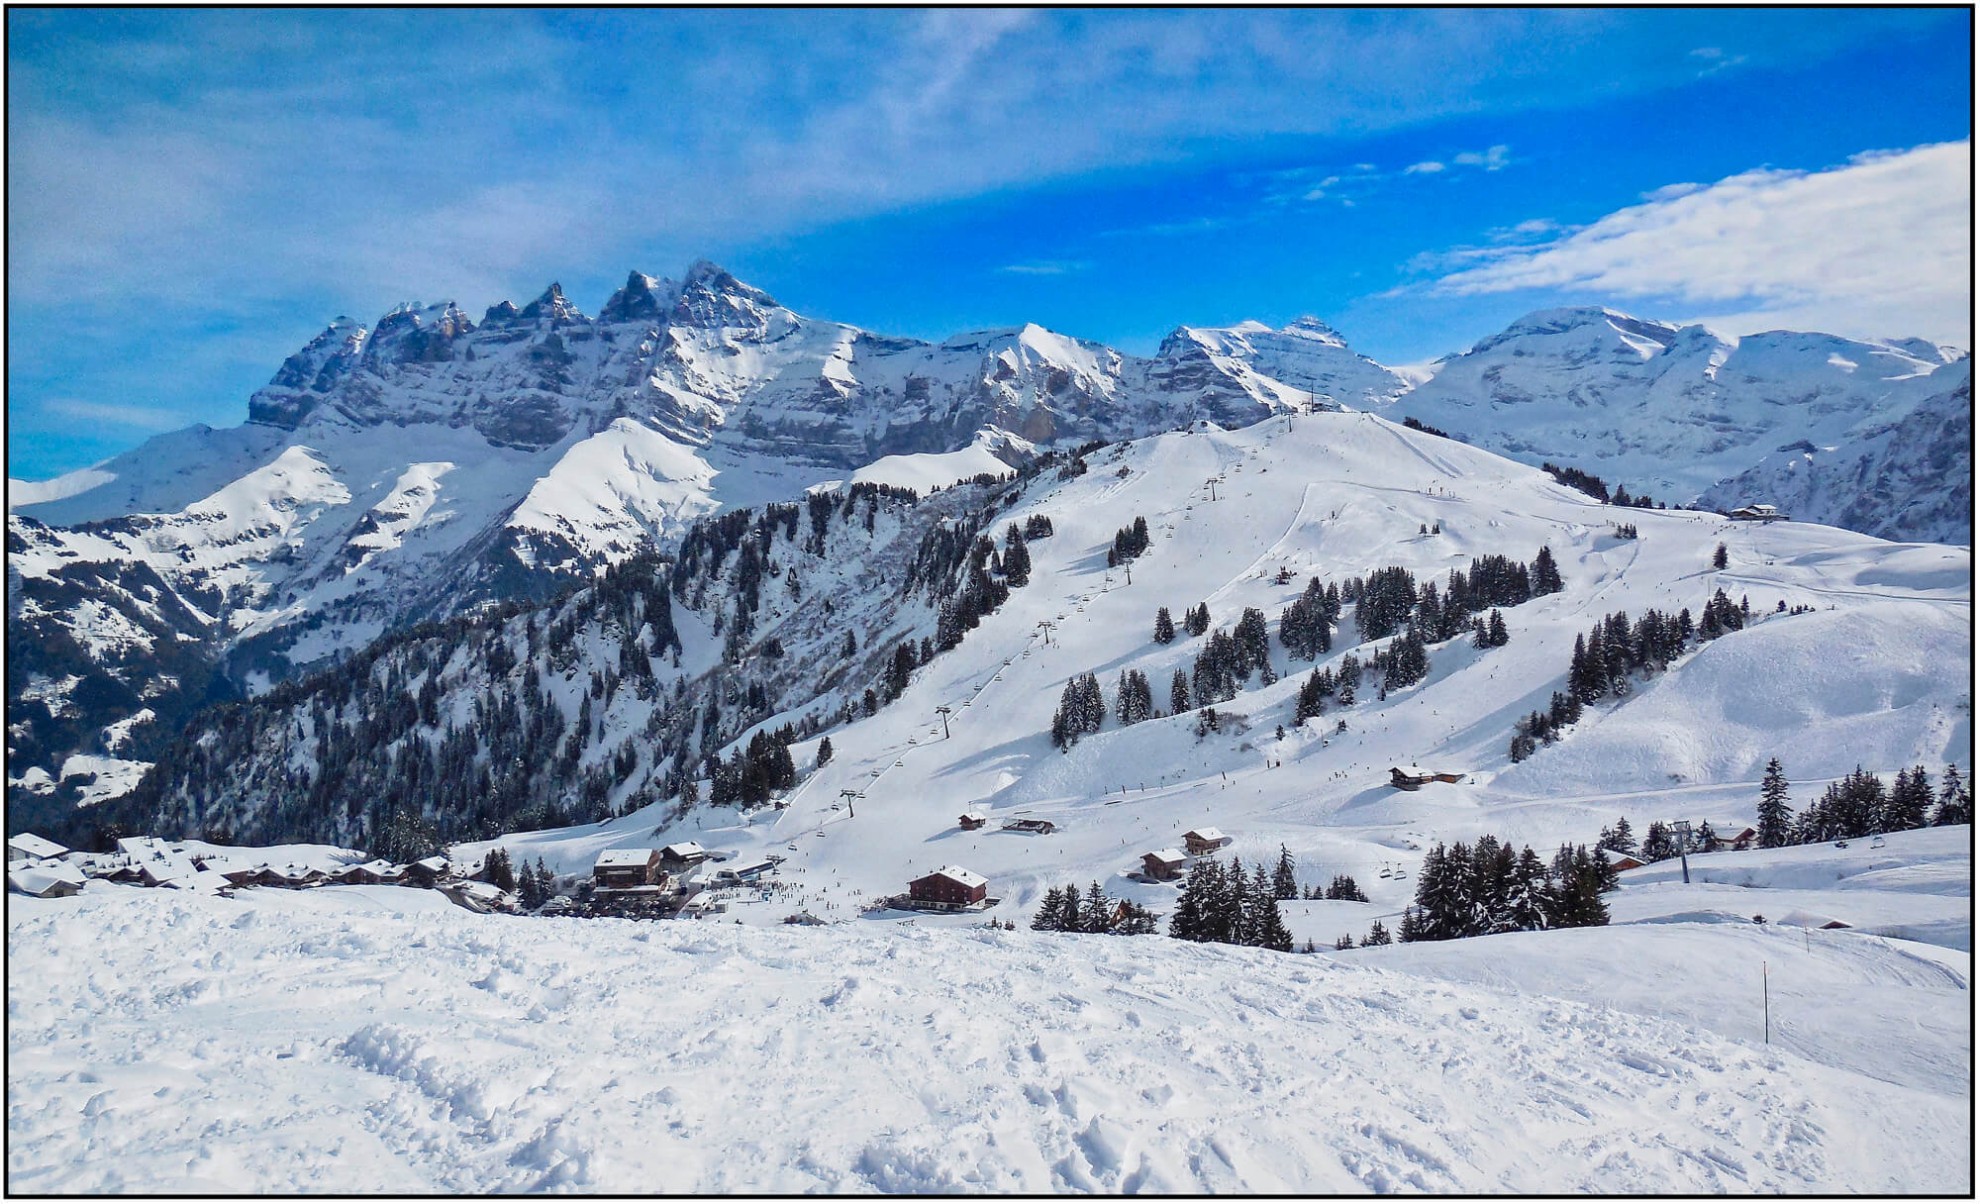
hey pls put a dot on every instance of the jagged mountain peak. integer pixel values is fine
(640, 298)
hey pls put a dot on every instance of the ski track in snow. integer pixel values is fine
(367, 1040)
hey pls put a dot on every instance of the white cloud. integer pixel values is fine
(1879, 246)
(1492, 158)
(1426, 167)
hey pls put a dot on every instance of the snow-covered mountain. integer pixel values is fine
(1675, 411)
(615, 722)
(430, 463)
(1903, 477)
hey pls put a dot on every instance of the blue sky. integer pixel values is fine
(193, 194)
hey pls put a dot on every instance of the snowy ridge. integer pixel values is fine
(1673, 411)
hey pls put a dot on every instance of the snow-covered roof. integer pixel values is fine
(956, 873)
(623, 858)
(1809, 919)
(435, 863)
(39, 878)
(1166, 855)
(1206, 834)
(685, 849)
(973, 815)
(29, 844)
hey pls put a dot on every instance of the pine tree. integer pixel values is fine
(1775, 818)
(1165, 628)
(1097, 912)
(1619, 838)
(1050, 912)
(1719, 557)
(1910, 800)
(1284, 884)
(1346, 941)
(1179, 693)
(497, 870)
(1496, 629)
(1955, 800)
(824, 752)
(1377, 935)
(1190, 921)
(1546, 575)
(1658, 842)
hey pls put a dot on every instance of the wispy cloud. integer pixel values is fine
(1046, 267)
(1427, 167)
(1877, 246)
(138, 417)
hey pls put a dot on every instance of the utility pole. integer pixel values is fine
(1683, 829)
(1129, 566)
(943, 711)
(849, 796)
(1766, 1010)
(1213, 489)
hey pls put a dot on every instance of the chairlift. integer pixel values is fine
(1842, 844)
(1877, 843)
(1385, 871)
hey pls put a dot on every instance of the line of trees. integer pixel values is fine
(1064, 909)
(1473, 890)
(1228, 906)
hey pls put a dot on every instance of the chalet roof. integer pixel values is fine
(958, 874)
(973, 815)
(28, 844)
(40, 877)
(1167, 856)
(624, 858)
(435, 863)
(684, 849)
(1206, 834)
(1809, 919)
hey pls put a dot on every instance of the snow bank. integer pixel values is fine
(339, 1041)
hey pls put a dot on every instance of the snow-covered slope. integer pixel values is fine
(1672, 411)
(374, 1039)
(1878, 673)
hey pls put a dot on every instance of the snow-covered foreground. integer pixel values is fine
(376, 1039)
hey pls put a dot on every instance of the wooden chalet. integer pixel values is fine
(1200, 841)
(1416, 776)
(426, 873)
(970, 821)
(950, 886)
(369, 873)
(45, 878)
(29, 847)
(621, 869)
(1758, 512)
(1163, 864)
(1620, 861)
(685, 853)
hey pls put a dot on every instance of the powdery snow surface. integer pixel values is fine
(379, 1040)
